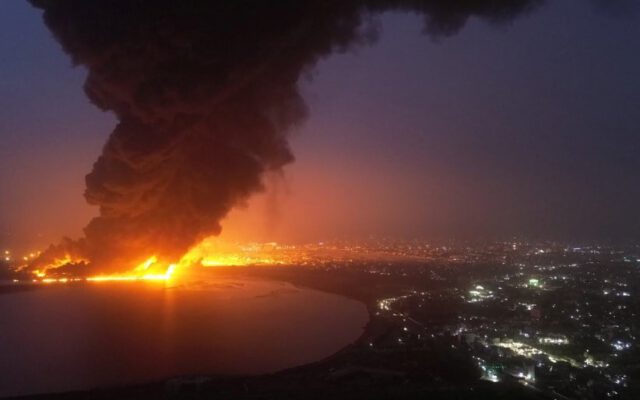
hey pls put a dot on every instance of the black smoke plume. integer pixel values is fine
(205, 93)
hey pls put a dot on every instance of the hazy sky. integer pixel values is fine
(530, 128)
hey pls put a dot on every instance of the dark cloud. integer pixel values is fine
(205, 93)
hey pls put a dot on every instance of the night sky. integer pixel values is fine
(528, 128)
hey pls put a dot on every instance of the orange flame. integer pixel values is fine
(140, 273)
(215, 253)
(210, 252)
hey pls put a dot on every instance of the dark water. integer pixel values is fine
(77, 337)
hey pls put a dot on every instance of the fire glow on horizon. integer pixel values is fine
(143, 272)
(209, 253)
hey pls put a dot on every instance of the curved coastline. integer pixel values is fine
(11, 289)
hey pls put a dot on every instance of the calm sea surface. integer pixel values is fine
(71, 337)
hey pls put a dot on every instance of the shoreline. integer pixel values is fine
(354, 371)
(230, 272)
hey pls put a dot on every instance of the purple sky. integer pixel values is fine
(528, 129)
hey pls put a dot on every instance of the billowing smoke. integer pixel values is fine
(205, 92)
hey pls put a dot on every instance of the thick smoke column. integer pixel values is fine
(204, 92)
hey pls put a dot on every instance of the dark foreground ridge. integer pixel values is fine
(307, 383)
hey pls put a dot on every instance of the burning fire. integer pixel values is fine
(140, 273)
(146, 271)
(209, 253)
(57, 263)
(215, 253)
